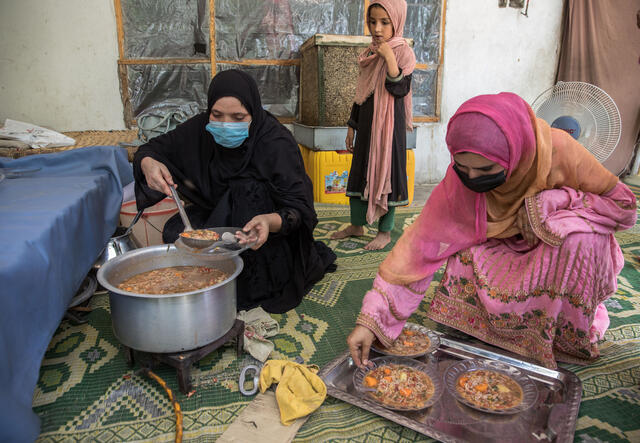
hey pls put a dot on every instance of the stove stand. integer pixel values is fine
(182, 361)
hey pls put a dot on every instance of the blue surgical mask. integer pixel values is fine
(229, 134)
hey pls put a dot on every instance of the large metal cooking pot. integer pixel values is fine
(170, 322)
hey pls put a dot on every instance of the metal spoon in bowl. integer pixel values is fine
(196, 243)
(228, 241)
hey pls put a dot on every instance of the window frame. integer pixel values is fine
(124, 62)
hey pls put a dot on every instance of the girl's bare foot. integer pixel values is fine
(381, 240)
(349, 231)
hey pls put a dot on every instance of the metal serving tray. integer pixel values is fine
(552, 418)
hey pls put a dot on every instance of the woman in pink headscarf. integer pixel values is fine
(380, 115)
(524, 219)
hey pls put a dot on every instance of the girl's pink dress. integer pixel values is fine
(544, 302)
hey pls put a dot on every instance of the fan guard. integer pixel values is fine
(586, 112)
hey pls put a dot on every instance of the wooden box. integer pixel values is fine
(328, 74)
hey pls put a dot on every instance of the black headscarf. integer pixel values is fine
(238, 84)
(203, 169)
(234, 83)
(264, 175)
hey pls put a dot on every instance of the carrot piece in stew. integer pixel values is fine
(370, 381)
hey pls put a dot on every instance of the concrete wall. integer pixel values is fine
(488, 50)
(58, 64)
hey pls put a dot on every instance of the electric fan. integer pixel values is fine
(586, 112)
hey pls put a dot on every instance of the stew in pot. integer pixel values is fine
(174, 279)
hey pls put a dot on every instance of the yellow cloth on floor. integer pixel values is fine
(300, 391)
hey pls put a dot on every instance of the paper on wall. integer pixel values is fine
(34, 136)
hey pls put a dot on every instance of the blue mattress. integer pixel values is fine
(57, 212)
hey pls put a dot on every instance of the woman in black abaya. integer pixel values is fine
(239, 166)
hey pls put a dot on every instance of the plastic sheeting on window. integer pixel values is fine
(275, 29)
(150, 85)
(423, 26)
(166, 28)
(255, 29)
(278, 86)
(424, 86)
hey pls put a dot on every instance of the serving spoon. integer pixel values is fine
(227, 239)
(189, 241)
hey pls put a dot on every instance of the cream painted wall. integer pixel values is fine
(58, 64)
(489, 50)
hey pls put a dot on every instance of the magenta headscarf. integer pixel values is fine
(498, 127)
(371, 80)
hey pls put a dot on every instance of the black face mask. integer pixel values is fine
(484, 183)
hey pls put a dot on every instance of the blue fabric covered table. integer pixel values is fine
(53, 225)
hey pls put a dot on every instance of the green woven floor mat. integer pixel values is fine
(86, 391)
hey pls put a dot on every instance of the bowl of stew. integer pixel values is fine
(414, 341)
(491, 386)
(399, 383)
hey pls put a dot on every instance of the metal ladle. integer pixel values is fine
(191, 242)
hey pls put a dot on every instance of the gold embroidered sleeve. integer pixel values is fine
(370, 323)
(415, 290)
(533, 211)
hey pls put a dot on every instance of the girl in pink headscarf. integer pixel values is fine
(524, 220)
(380, 116)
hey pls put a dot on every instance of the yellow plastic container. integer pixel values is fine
(304, 151)
(329, 172)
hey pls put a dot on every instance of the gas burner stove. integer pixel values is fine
(182, 361)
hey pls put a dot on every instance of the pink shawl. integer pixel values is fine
(371, 80)
(454, 218)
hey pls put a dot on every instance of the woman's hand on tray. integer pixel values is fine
(359, 342)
